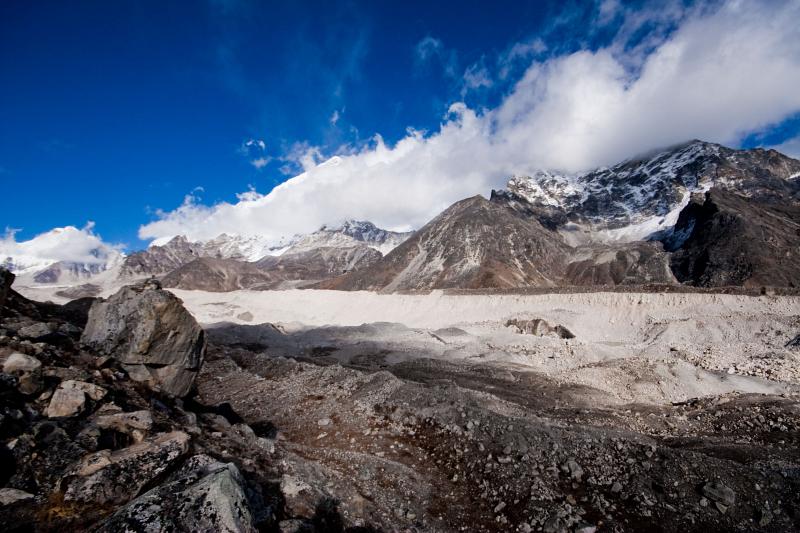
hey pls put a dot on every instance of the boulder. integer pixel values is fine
(27, 370)
(151, 334)
(95, 392)
(719, 493)
(19, 363)
(135, 424)
(66, 403)
(203, 495)
(9, 496)
(539, 327)
(69, 399)
(107, 477)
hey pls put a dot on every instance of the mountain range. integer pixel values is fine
(698, 214)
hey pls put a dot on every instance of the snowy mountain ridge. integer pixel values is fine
(641, 197)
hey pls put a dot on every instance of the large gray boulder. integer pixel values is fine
(203, 495)
(148, 330)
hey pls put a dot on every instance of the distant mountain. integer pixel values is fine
(320, 263)
(351, 233)
(287, 270)
(641, 198)
(159, 259)
(699, 213)
(218, 275)
(37, 260)
(473, 243)
(476, 243)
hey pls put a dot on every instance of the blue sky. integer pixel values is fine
(112, 111)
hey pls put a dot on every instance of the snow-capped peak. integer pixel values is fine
(75, 250)
(641, 196)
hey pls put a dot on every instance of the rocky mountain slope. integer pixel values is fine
(474, 243)
(292, 268)
(723, 238)
(351, 233)
(643, 196)
(218, 275)
(160, 259)
(314, 264)
(481, 244)
(634, 223)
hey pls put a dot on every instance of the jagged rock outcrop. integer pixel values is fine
(151, 334)
(203, 495)
(723, 238)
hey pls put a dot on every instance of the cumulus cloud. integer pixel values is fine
(718, 75)
(59, 244)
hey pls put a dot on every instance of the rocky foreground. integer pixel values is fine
(125, 415)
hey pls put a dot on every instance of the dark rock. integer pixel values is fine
(719, 493)
(738, 240)
(116, 477)
(204, 495)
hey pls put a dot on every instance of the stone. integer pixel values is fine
(539, 327)
(575, 470)
(9, 496)
(719, 493)
(135, 424)
(27, 370)
(300, 498)
(295, 525)
(95, 392)
(151, 334)
(203, 495)
(36, 330)
(107, 477)
(18, 363)
(66, 403)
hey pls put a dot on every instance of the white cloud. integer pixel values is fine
(431, 49)
(334, 117)
(722, 73)
(59, 244)
(253, 150)
(260, 162)
(476, 77)
(254, 143)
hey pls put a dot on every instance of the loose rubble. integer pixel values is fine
(270, 443)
